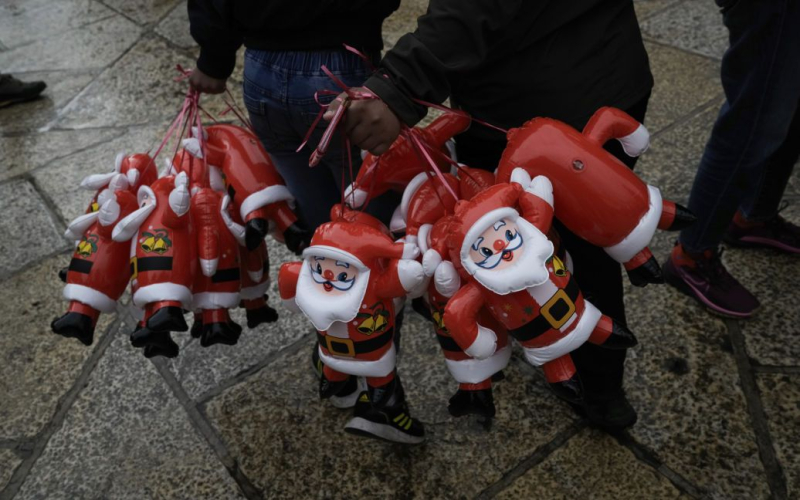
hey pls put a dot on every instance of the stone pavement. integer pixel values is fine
(718, 400)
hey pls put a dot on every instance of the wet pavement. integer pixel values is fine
(718, 400)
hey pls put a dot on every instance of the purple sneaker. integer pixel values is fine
(705, 279)
(777, 233)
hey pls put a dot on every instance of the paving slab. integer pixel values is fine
(50, 19)
(138, 89)
(61, 180)
(774, 277)
(38, 367)
(142, 11)
(23, 153)
(683, 81)
(290, 443)
(9, 461)
(646, 8)
(175, 27)
(591, 465)
(201, 369)
(695, 26)
(92, 46)
(683, 381)
(27, 232)
(779, 395)
(402, 21)
(127, 436)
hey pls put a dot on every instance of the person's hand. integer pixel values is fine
(369, 123)
(205, 84)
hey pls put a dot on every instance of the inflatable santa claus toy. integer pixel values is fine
(98, 272)
(498, 238)
(137, 170)
(596, 196)
(345, 285)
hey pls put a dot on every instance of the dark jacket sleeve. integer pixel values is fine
(211, 28)
(454, 37)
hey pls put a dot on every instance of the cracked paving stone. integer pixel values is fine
(693, 26)
(143, 11)
(682, 81)
(61, 179)
(289, 443)
(27, 232)
(93, 46)
(37, 366)
(127, 436)
(684, 383)
(646, 8)
(773, 277)
(175, 27)
(50, 19)
(779, 395)
(591, 465)
(9, 461)
(27, 152)
(138, 89)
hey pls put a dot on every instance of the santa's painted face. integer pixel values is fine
(496, 247)
(333, 276)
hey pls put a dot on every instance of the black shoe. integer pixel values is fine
(649, 272)
(154, 343)
(168, 319)
(260, 316)
(348, 394)
(296, 238)
(472, 403)
(220, 333)
(13, 90)
(611, 415)
(391, 423)
(254, 233)
(570, 390)
(76, 325)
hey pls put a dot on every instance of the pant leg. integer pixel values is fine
(761, 79)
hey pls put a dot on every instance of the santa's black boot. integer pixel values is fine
(296, 238)
(254, 233)
(74, 324)
(223, 332)
(197, 326)
(570, 390)
(261, 315)
(472, 402)
(168, 319)
(154, 343)
(382, 413)
(649, 272)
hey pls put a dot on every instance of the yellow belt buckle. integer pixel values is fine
(545, 309)
(135, 266)
(351, 349)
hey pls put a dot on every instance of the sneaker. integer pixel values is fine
(777, 233)
(704, 278)
(13, 90)
(383, 414)
(347, 397)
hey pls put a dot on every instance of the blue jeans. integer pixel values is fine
(756, 139)
(279, 92)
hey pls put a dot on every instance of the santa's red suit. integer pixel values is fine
(136, 169)
(596, 196)
(534, 296)
(98, 272)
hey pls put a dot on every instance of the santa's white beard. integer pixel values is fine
(324, 308)
(527, 268)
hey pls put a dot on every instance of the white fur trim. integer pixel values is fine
(256, 276)
(355, 197)
(430, 261)
(79, 226)
(192, 146)
(378, 368)
(484, 344)
(420, 289)
(215, 300)
(542, 187)
(163, 291)
(237, 230)
(266, 196)
(325, 310)
(410, 251)
(180, 198)
(133, 177)
(109, 212)
(97, 181)
(447, 280)
(636, 143)
(209, 266)
(408, 193)
(119, 182)
(215, 179)
(538, 356)
(423, 237)
(641, 235)
(333, 253)
(521, 176)
(129, 225)
(398, 223)
(474, 371)
(410, 274)
(258, 291)
(90, 297)
(118, 162)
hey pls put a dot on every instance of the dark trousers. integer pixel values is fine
(755, 141)
(599, 276)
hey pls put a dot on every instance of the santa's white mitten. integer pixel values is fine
(192, 146)
(521, 177)
(410, 251)
(119, 182)
(109, 211)
(446, 279)
(236, 229)
(637, 142)
(410, 274)
(542, 187)
(179, 197)
(485, 344)
(430, 261)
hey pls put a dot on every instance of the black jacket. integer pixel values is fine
(220, 27)
(506, 61)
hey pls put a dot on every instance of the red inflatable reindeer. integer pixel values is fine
(596, 196)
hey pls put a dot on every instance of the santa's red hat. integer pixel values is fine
(472, 181)
(357, 244)
(429, 202)
(344, 213)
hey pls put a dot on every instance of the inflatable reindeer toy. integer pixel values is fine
(596, 196)
(164, 261)
(498, 238)
(345, 285)
(98, 272)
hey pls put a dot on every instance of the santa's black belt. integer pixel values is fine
(80, 265)
(346, 347)
(553, 314)
(223, 275)
(448, 344)
(144, 264)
